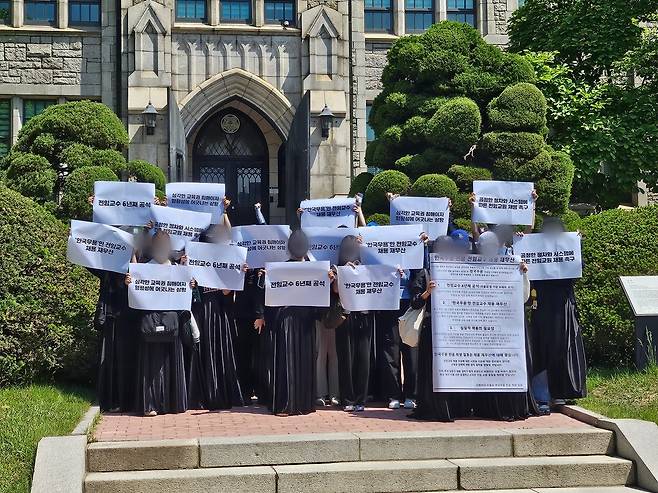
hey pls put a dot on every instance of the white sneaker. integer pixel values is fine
(409, 404)
(349, 408)
(394, 404)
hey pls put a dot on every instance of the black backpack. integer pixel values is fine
(160, 326)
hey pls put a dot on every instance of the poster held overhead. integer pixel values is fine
(216, 266)
(263, 243)
(123, 203)
(182, 226)
(432, 213)
(329, 213)
(99, 246)
(197, 197)
(297, 284)
(369, 287)
(393, 245)
(324, 243)
(158, 287)
(503, 202)
(550, 255)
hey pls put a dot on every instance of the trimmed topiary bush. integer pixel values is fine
(519, 108)
(46, 303)
(615, 242)
(145, 172)
(456, 125)
(76, 156)
(461, 207)
(360, 183)
(516, 144)
(111, 159)
(434, 185)
(79, 186)
(414, 131)
(44, 145)
(31, 175)
(464, 176)
(379, 218)
(387, 181)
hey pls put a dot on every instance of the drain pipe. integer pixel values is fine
(351, 88)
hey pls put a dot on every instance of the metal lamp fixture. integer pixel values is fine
(326, 121)
(149, 115)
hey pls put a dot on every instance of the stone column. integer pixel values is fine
(213, 12)
(17, 13)
(258, 12)
(440, 10)
(16, 117)
(62, 14)
(398, 17)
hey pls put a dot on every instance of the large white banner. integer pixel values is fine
(329, 213)
(478, 335)
(159, 287)
(197, 197)
(393, 245)
(369, 287)
(324, 243)
(503, 202)
(123, 203)
(99, 246)
(263, 243)
(297, 284)
(432, 213)
(181, 225)
(550, 255)
(216, 266)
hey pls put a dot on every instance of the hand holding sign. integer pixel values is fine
(502, 202)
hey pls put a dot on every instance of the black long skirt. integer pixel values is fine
(117, 365)
(219, 378)
(430, 405)
(161, 377)
(293, 373)
(558, 341)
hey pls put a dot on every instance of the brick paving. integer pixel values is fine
(256, 420)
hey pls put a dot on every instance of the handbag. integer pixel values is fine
(335, 315)
(159, 326)
(409, 325)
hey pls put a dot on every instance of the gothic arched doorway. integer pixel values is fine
(231, 149)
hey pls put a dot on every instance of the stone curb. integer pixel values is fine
(636, 440)
(87, 421)
(60, 465)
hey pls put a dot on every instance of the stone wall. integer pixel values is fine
(51, 61)
(375, 63)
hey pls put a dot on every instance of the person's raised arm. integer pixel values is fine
(475, 229)
(260, 219)
(225, 220)
(360, 219)
(528, 229)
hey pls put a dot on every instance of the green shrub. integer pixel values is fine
(379, 218)
(31, 175)
(434, 185)
(146, 172)
(111, 159)
(379, 155)
(79, 186)
(464, 176)
(414, 131)
(615, 243)
(86, 122)
(513, 144)
(456, 125)
(360, 183)
(46, 303)
(387, 181)
(415, 165)
(391, 138)
(44, 145)
(76, 156)
(570, 218)
(519, 108)
(461, 207)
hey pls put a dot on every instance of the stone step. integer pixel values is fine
(344, 447)
(543, 472)
(581, 489)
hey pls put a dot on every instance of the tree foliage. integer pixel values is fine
(596, 63)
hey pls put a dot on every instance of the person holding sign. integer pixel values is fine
(559, 354)
(161, 383)
(292, 327)
(353, 340)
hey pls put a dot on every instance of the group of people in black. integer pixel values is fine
(232, 350)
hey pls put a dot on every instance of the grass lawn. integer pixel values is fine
(26, 415)
(623, 393)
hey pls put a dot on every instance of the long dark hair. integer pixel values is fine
(349, 251)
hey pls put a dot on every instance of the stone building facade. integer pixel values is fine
(238, 85)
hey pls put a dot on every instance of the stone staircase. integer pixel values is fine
(578, 460)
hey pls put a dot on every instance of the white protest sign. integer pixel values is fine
(159, 287)
(123, 203)
(369, 287)
(197, 197)
(99, 246)
(329, 213)
(432, 213)
(550, 255)
(478, 334)
(297, 284)
(324, 243)
(393, 245)
(503, 202)
(263, 243)
(216, 266)
(182, 226)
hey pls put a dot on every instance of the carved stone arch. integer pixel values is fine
(237, 84)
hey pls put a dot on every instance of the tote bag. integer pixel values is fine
(409, 325)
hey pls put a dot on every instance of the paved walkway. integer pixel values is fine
(256, 420)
